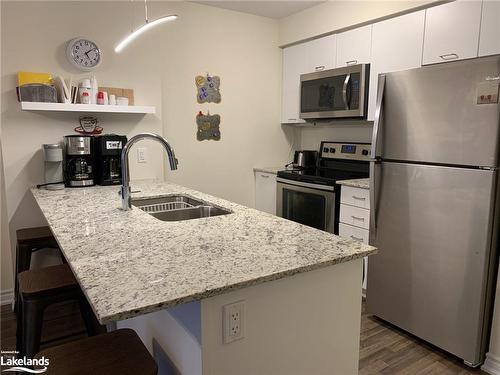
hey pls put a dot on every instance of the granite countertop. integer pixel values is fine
(272, 170)
(363, 183)
(129, 263)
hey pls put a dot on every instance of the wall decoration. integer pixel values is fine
(88, 125)
(208, 89)
(208, 127)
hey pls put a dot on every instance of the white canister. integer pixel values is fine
(112, 99)
(53, 155)
(84, 87)
(121, 100)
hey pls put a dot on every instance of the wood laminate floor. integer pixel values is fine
(383, 348)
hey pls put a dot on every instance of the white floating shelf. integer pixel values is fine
(87, 108)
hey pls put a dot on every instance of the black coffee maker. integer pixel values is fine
(79, 161)
(107, 161)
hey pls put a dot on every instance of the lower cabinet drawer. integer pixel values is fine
(353, 233)
(359, 217)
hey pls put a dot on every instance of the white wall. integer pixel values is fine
(243, 50)
(340, 14)
(160, 66)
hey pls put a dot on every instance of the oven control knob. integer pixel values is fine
(325, 149)
(332, 150)
(364, 152)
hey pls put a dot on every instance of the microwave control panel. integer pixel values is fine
(353, 151)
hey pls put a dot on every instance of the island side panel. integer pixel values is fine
(305, 324)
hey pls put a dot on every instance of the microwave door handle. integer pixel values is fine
(344, 91)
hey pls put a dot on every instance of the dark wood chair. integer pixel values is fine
(40, 288)
(29, 240)
(120, 352)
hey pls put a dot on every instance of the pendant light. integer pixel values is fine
(147, 25)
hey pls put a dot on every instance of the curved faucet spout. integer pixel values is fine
(125, 189)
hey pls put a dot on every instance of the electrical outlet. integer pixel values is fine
(141, 155)
(233, 316)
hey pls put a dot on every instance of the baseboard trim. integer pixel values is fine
(6, 297)
(491, 365)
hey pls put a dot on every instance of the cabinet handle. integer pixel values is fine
(321, 67)
(359, 198)
(449, 56)
(351, 62)
(264, 175)
(292, 119)
(358, 218)
(356, 238)
(490, 78)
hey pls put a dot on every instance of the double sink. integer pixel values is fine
(178, 208)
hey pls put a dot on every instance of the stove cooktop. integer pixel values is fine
(338, 161)
(323, 176)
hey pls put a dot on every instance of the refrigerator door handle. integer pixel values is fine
(378, 114)
(373, 205)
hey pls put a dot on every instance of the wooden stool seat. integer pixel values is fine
(35, 234)
(46, 280)
(120, 352)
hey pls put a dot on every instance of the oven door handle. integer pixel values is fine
(305, 184)
(344, 91)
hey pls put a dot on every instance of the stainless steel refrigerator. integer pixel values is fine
(435, 206)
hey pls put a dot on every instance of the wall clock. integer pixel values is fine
(83, 53)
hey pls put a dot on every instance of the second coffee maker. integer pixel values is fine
(108, 159)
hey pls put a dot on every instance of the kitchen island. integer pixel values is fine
(300, 287)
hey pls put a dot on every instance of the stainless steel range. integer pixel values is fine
(311, 196)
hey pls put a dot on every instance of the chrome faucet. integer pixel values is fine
(125, 190)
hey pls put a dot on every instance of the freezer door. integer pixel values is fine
(433, 230)
(431, 114)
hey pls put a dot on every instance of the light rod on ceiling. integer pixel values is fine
(148, 25)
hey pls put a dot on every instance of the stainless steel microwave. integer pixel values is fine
(335, 93)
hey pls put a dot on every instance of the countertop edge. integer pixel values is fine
(218, 291)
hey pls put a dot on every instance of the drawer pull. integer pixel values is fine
(357, 238)
(319, 68)
(359, 198)
(358, 218)
(449, 56)
(264, 175)
(351, 62)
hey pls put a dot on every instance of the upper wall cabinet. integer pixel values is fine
(295, 63)
(451, 31)
(396, 45)
(316, 55)
(354, 46)
(489, 40)
(321, 53)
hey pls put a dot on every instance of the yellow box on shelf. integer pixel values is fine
(24, 78)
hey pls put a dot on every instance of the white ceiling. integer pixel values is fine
(272, 9)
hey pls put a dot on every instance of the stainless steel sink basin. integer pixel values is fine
(178, 207)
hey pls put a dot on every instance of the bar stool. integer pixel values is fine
(40, 288)
(30, 240)
(120, 352)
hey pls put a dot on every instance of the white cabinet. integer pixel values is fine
(321, 53)
(452, 31)
(316, 55)
(489, 40)
(396, 45)
(265, 192)
(354, 46)
(295, 63)
(354, 218)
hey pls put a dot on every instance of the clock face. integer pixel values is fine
(83, 53)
